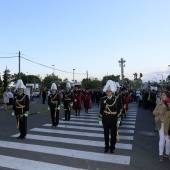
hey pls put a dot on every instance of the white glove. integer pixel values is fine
(48, 108)
(13, 114)
(26, 115)
(62, 104)
(58, 108)
(100, 123)
(75, 100)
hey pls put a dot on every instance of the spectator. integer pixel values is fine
(162, 121)
(11, 98)
(44, 95)
(140, 100)
(5, 99)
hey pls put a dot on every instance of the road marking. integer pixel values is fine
(75, 141)
(101, 157)
(89, 128)
(75, 133)
(92, 124)
(97, 120)
(129, 118)
(128, 122)
(96, 117)
(132, 116)
(25, 164)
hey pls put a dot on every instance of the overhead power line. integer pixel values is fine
(9, 57)
(51, 67)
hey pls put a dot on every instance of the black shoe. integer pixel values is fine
(75, 114)
(106, 150)
(22, 137)
(111, 151)
(19, 137)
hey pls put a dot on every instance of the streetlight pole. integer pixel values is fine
(73, 75)
(27, 77)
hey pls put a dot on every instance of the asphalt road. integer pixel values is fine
(78, 144)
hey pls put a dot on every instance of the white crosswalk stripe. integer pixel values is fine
(75, 141)
(89, 128)
(75, 133)
(67, 152)
(94, 120)
(91, 124)
(24, 164)
(96, 117)
(83, 131)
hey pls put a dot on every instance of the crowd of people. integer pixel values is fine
(158, 102)
(113, 101)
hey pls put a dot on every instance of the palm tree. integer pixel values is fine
(135, 76)
(141, 75)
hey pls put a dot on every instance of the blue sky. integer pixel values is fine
(86, 35)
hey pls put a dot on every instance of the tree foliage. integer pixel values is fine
(168, 78)
(6, 78)
(0, 81)
(90, 83)
(110, 77)
(26, 78)
(126, 82)
(136, 84)
(49, 79)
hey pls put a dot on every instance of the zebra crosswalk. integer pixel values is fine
(80, 139)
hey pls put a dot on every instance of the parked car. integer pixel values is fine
(36, 92)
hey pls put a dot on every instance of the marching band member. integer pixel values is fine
(54, 105)
(21, 109)
(98, 97)
(87, 100)
(125, 101)
(77, 99)
(109, 110)
(119, 95)
(68, 101)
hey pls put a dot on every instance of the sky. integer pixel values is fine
(86, 35)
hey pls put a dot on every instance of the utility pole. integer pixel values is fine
(53, 69)
(73, 75)
(87, 78)
(122, 65)
(19, 66)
